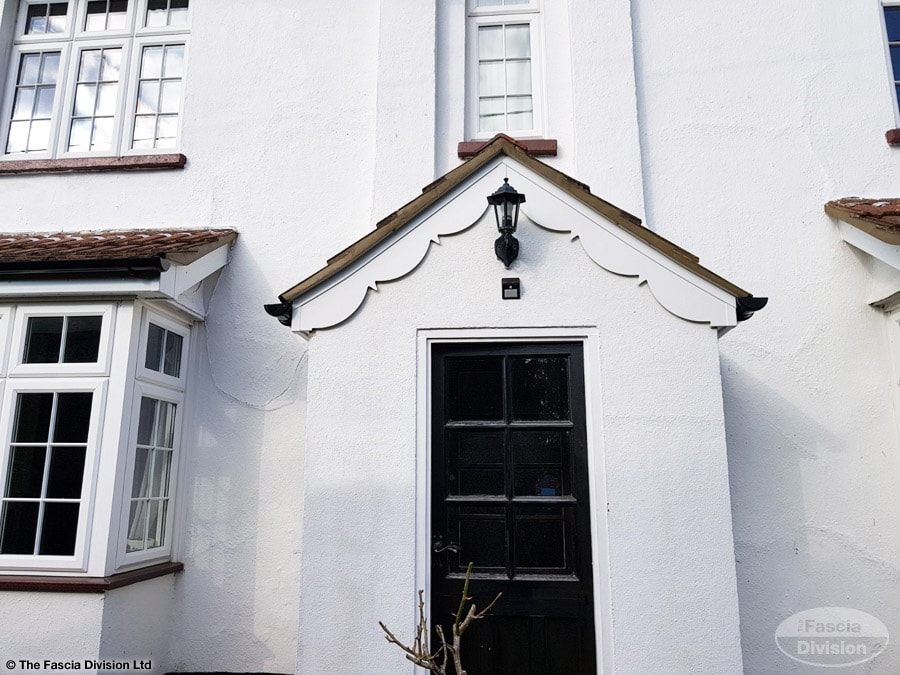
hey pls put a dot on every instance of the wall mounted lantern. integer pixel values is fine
(506, 209)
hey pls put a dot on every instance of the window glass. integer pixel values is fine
(892, 22)
(96, 94)
(475, 389)
(82, 339)
(46, 18)
(106, 15)
(76, 338)
(150, 481)
(159, 97)
(32, 422)
(43, 339)
(172, 357)
(29, 127)
(163, 351)
(505, 78)
(166, 13)
(42, 495)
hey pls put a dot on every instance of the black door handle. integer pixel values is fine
(439, 547)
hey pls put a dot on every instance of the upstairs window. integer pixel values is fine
(504, 68)
(892, 26)
(95, 77)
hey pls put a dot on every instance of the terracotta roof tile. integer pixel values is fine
(879, 218)
(181, 246)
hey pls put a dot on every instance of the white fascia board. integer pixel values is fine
(681, 292)
(869, 244)
(175, 284)
(56, 288)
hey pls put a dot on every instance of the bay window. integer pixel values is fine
(64, 434)
(95, 77)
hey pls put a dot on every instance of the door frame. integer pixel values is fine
(589, 336)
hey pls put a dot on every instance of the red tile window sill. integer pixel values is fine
(16, 167)
(537, 147)
(893, 137)
(87, 584)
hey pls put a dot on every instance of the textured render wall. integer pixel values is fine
(53, 626)
(751, 122)
(674, 602)
(137, 621)
(279, 132)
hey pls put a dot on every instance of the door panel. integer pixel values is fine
(510, 492)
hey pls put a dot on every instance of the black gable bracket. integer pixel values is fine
(283, 311)
(746, 307)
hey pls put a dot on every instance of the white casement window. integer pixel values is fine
(154, 440)
(504, 68)
(62, 434)
(54, 396)
(49, 446)
(95, 77)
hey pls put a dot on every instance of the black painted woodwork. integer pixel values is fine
(510, 492)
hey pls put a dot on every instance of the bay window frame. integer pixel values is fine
(6, 318)
(97, 386)
(160, 553)
(159, 377)
(100, 368)
(119, 381)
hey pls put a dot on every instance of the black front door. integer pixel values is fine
(510, 492)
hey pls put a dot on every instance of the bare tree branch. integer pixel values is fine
(436, 662)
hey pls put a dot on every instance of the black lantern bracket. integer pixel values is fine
(506, 203)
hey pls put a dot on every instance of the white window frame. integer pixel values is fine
(132, 86)
(65, 121)
(81, 17)
(20, 323)
(154, 376)
(78, 561)
(887, 55)
(142, 30)
(529, 14)
(70, 44)
(42, 37)
(6, 318)
(9, 91)
(154, 391)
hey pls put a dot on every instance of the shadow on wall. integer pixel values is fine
(786, 561)
(236, 604)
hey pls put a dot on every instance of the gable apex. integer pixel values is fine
(500, 150)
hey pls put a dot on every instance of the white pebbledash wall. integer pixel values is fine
(727, 129)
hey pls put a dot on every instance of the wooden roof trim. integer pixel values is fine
(504, 145)
(867, 224)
